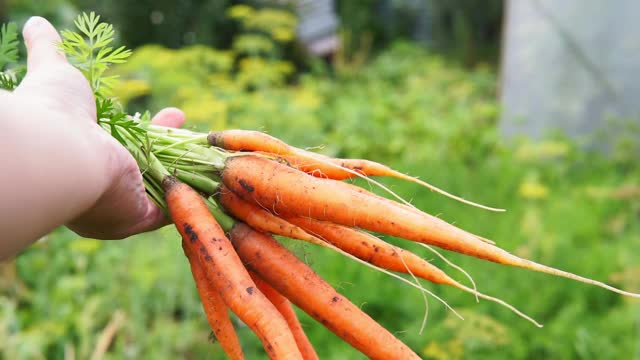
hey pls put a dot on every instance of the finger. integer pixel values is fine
(170, 117)
(42, 41)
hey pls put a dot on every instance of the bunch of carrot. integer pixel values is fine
(245, 186)
(228, 191)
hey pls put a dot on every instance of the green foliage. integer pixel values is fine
(468, 30)
(8, 44)
(9, 78)
(89, 50)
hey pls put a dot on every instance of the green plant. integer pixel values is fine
(90, 51)
(9, 78)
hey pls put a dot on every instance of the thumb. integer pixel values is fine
(47, 68)
(42, 41)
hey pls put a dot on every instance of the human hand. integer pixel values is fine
(120, 206)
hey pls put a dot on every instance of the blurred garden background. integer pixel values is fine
(422, 86)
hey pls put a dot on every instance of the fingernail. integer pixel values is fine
(33, 23)
(31, 27)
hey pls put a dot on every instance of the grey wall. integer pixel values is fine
(569, 65)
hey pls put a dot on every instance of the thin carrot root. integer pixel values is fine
(466, 274)
(215, 309)
(224, 269)
(534, 266)
(295, 280)
(284, 307)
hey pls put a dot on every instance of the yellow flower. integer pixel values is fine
(532, 189)
(241, 12)
(282, 34)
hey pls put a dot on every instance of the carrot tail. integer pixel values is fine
(260, 219)
(295, 280)
(215, 309)
(205, 238)
(284, 307)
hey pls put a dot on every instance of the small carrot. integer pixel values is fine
(204, 237)
(284, 307)
(259, 218)
(295, 280)
(279, 188)
(214, 308)
(316, 164)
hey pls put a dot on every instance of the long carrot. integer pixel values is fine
(279, 188)
(284, 307)
(204, 237)
(372, 249)
(214, 308)
(384, 255)
(295, 280)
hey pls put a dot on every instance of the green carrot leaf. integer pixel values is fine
(89, 50)
(8, 44)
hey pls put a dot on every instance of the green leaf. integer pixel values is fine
(10, 79)
(89, 50)
(8, 44)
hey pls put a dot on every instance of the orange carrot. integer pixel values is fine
(247, 140)
(204, 237)
(259, 218)
(372, 250)
(316, 164)
(284, 307)
(295, 280)
(214, 308)
(280, 189)
(384, 255)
